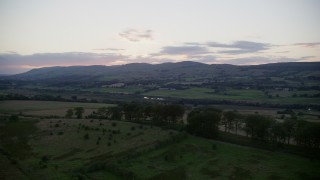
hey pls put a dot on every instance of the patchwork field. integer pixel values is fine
(243, 95)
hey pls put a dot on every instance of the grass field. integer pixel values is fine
(63, 142)
(125, 90)
(231, 94)
(195, 158)
(58, 149)
(45, 108)
(34, 148)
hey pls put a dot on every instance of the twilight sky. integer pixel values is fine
(41, 33)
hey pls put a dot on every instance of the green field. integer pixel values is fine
(45, 108)
(58, 149)
(195, 158)
(40, 148)
(232, 94)
(125, 90)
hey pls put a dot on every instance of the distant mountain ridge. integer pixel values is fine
(133, 71)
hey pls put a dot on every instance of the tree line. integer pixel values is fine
(158, 114)
(266, 129)
(205, 122)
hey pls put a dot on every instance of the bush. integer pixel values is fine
(86, 136)
(214, 146)
(44, 159)
(14, 118)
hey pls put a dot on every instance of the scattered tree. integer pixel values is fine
(69, 113)
(79, 112)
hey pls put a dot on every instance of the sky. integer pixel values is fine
(43, 33)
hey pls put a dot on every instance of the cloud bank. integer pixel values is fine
(240, 47)
(308, 45)
(183, 50)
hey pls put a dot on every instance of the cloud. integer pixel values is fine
(183, 50)
(108, 49)
(240, 47)
(308, 45)
(307, 57)
(193, 43)
(135, 35)
(15, 63)
(260, 60)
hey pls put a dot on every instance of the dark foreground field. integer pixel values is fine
(40, 148)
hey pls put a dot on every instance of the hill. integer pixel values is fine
(145, 71)
(105, 149)
(291, 84)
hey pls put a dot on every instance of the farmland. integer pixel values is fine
(272, 85)
(244, 95)
(182, 120)
(106, 149)
(45, 108)
(68, 151)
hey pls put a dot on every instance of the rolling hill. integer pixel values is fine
(186, 69)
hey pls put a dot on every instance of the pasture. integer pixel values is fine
(104, 149)
(46, 108)
(40, 148)
(284, 97)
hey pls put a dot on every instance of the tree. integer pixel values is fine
(14, 118)
(257, 126)
(86, 136)
(289, 125)
(79, 112)
(130, 110)
(238, 119)
(172, 112)
(204, 123)
(102, 113)
(228, 119)
(115, 113)
(307, 134)
(278, 132)
(69, 113)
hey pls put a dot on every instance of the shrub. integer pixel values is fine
(214, 146)
(44, 159)
(14, 118)
(86, 136)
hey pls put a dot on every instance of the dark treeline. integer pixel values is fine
(265, 129)
(158, 114)
(205, 122)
